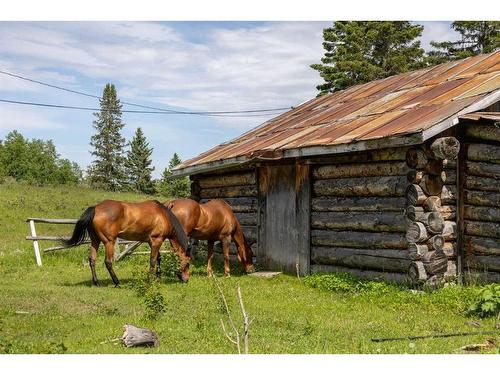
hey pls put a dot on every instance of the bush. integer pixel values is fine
(487, 302)
(154, 301)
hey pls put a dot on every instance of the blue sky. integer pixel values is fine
(177, 65)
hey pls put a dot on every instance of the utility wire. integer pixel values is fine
(48, 105)
(201, 113)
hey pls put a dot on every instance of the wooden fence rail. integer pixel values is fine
(129, 246)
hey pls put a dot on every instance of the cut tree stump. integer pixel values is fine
(136, 336)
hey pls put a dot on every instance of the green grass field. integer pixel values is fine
(53, 308)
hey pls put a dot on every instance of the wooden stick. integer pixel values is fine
(435, 336)
(230, 319)
(246, 322)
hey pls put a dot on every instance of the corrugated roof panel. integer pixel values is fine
(375, 123)
(489, 62)
(398, 105)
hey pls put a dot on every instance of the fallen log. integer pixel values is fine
(360, 170)
(393, 186)
(483, 152)
(341, 204)
(369, 221)
(363, 240)
(486, 132)
(445, 148)
(135, 336)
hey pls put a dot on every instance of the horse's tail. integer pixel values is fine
(82, 226)
(179, 231)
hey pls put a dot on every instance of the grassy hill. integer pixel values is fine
(53, 308)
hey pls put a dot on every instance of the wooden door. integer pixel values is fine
(283, 231)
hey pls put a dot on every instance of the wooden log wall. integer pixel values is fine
(431, 206)
(481, 192)
(357, 215)
(239, 190)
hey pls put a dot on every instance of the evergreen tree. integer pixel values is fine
(138, 164)
(476, 37)
(175, 188)
(363, 51)
(107, 170)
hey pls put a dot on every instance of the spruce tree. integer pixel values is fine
(175, 188)
(107, 170)
(138, 164)
(363, 51)
(476, 37)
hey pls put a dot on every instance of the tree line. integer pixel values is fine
(362, 51)
(118, 165)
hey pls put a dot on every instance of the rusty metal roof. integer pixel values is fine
(477, 116)
(399, 110)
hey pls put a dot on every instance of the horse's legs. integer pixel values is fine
(94, 246)
(226, 242)
(210, 248)
(110, 250)
(185, 260)
(154, 259)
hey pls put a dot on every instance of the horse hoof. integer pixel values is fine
(117, 285)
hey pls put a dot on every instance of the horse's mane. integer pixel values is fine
(179, 231)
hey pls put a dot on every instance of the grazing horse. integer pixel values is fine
(148, 221)
(213, 221)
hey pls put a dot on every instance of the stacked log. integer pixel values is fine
(482, 202)
(431, 210)
(239, 190)
(357, 219)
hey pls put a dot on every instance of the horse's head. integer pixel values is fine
(248, 264)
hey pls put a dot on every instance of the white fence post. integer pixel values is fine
(35, 243)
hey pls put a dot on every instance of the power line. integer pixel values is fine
(201, 113)
(48, 105)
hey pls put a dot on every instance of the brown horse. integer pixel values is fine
(148, 221)
(213, 221)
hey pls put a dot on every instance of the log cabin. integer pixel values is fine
(397, 179)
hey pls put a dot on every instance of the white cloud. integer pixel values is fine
(17, 118)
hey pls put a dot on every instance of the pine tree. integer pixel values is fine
(176, 188)
(107, 170)
(476, 37)
(138, 164)
(363, 51)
